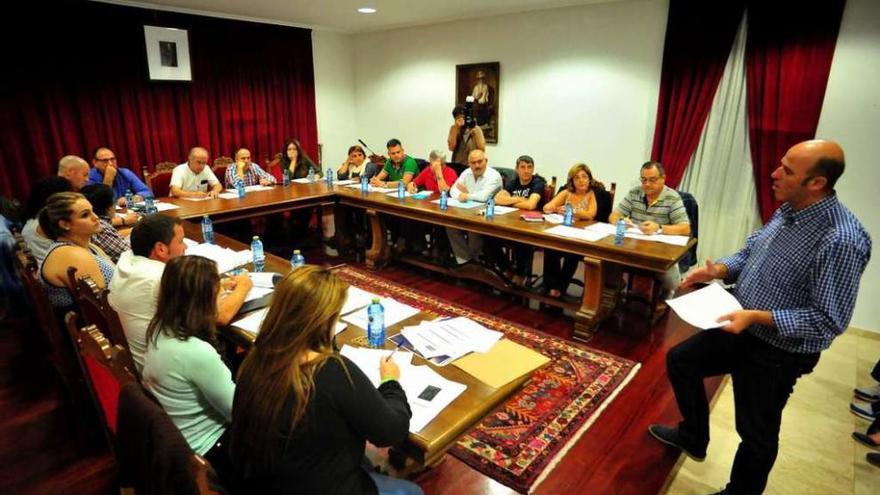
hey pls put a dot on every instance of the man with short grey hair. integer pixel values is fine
(195, 179)
(436, 177)
(75, 170)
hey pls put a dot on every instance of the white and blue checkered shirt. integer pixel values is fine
(804, 267)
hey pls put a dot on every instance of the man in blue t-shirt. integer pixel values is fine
(526, 192)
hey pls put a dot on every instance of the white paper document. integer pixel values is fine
(554, 218)
(191, 198)
(251, 323)
(427, 392)
(395, 312)
(357, 298)
(253, 188)
(228, 195)
(345, 182)
(634, 233)
(452, 337)
(226, 258)
(461, 204)
(406, 194)
(375, 189)
(190, 243)
(340, 326)
(256, 293)
(701, 308)
(500, 210)
(575, 233)
(304, 180)
(161, 205)
(263, 279)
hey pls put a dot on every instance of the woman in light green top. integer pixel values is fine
(182, 367)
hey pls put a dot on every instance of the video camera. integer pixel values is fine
(469, 121)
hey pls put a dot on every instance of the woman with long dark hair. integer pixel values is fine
(182, 366)
(303, 413)
(559, 268)
(295, 161)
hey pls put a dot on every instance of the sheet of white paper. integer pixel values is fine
(256, 293)
(676, 240)
(453, 337)
(263, 279)
(250, 189)
(251, 323)
(406, 194)
(500, 210)
(373, 188)
(576, 233)
(459, 204)
(415, 382)
(357, 298)
(368, 360)
(161, 205)
(345, 182)
(340, 326)
(304, 180)
(226, 259)
(701, 308)
(554, 218)
(189, 198)
(395, 312)
(190, 243)
(228, 195)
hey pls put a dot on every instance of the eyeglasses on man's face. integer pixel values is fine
(649, 180)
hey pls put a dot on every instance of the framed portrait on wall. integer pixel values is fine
(167, 54)
(482, 83)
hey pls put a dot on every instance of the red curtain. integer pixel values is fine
(788, 57)
(85, 83)
(699, 36)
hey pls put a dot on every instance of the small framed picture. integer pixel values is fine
(167, 54)
(481, 83)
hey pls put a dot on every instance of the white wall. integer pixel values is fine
(334, 94)
(851, 115)
(577, 84)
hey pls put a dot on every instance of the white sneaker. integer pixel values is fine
(867, 410)
(868, 393)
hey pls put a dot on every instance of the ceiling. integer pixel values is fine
(342, 15)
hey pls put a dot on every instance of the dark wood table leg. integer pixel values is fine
(377, 255)
(590, 312)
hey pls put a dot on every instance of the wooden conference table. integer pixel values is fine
(428, 446)
(602, 259)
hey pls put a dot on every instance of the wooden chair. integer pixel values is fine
(159, 181)
(221, 163)
(95, 310)
(273, 166)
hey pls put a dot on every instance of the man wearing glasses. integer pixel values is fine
(655, 209)
(120, 180)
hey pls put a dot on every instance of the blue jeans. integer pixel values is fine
(393, 486)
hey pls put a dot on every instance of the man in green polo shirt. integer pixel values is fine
(655, 209)
(398, 167)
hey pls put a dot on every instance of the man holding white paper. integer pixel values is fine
(797, 279)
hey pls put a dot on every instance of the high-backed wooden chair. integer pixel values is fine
(273, 166)
(159, 181)
(221, 163)
(95, 310)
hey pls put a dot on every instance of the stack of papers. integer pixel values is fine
(554, 218)
(634, 233)
(461, 204)
(427, 392)
(575, 233)
(226, 258)
(263, 285)
(345, 182)
(357, 298)
(500, 210)
(395, 312)
(253, 188)
(228, 195)
(450, 338)
(373, 188)
(160, 206)
(702, 308)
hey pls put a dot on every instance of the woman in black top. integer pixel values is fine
(295, 162)
(302, 413)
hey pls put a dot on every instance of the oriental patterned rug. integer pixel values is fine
(521, 441)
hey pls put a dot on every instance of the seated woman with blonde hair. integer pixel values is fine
(68, 220)
(303, 413)
(579, 194)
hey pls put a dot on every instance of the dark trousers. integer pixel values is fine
(875, 425)
(559, 269)
(763, 378)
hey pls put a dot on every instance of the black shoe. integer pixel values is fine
(669, 436)
(865, 439)
(873, 458)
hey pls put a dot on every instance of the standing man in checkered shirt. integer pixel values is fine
(797, 278)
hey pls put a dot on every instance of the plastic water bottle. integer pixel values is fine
(619, 233)
(365, 185)
(444, 200)
(129, 199)
(149, 205)
(259, 256)
(490, 209)
(286, 177)
(297, 260)
(207, 230)
(401, 190)
(376, 324)
(329, 177)
(569, 215)
(311, 175)
(239, 186)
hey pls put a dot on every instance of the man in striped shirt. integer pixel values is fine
(242, 169)
(797, 279)
(655, 209)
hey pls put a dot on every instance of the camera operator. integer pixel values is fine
(464, 135)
